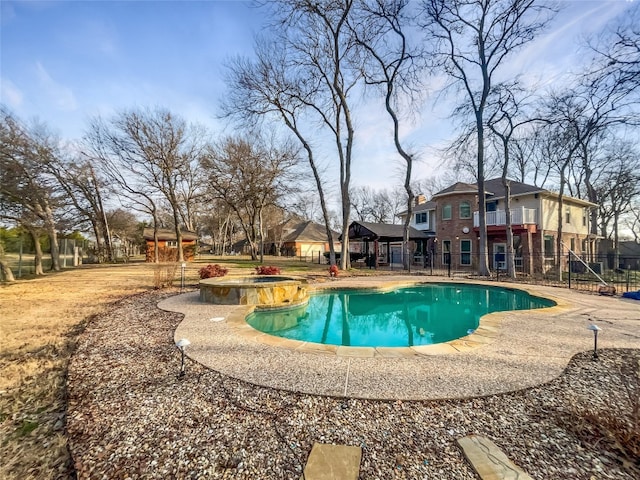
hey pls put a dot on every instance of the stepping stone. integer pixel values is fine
(333, 462)
(488, 460)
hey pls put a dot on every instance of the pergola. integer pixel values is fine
(386, 234)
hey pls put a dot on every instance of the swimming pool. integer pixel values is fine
(404, 317)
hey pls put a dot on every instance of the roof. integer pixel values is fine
(629, 248)
(494, 188)
(309, 232)
(458, 187)
(383, 231)
(168, 234)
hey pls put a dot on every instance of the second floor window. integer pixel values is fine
(421, 217)
(567, 215)
(465, 210)
(446, 212)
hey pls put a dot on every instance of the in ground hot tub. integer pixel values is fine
(267, 291)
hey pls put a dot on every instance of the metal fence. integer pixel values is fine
(595, 272)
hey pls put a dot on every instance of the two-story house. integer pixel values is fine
(452, 214)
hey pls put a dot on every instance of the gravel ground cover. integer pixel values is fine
(129, 416)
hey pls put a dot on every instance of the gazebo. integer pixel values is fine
(386, 235)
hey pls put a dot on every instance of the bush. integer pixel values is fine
(333, 271)
(267, 270)
(212, 271)
(163, 274)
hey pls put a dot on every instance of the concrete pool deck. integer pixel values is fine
(509, 351)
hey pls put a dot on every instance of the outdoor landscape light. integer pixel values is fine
(182, 344)
(595, 329)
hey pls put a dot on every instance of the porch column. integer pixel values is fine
(375, 252)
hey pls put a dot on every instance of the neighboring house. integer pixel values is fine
(302, 239)
(629, 257)
(452, 217)
(168, 244)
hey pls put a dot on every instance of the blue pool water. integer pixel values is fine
(417, 315)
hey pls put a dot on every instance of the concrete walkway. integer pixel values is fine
(509, 351)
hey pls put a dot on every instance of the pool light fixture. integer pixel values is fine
(182, 345)
(595, 329)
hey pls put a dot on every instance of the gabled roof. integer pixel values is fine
(383, 231)
(422, 207)
(309, 232)
(458, 187)
(168, 234)
(629, 248)
(495, 189)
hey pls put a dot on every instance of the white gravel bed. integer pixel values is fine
(129, 416)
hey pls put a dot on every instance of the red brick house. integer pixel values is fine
(452, 217)
(168, 244)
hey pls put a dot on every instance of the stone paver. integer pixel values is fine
(333, 462)
(488, 460)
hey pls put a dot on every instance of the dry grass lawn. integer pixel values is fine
(39, 320)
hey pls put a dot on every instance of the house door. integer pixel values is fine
(499, 256)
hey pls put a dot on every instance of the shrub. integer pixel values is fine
(212, 271)
(163, 274)
(333, 271)
(267, 270)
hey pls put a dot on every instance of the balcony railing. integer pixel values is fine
(519, 216)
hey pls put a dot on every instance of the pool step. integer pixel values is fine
(333, 462)
(488, 460)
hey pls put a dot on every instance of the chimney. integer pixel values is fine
(420, 198)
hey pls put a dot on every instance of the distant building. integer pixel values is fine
(168, 244)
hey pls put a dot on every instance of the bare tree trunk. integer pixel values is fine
(5, 272)
(53, 243)
(37, 259)
(558, 259)
(483, 258)
(511, 270)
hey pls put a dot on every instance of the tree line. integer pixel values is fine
(310, 70)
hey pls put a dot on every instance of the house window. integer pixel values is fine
(465, 210)
(584, 218)
(548, 246)
(421, 217)
(446, 252)
(172, 243)
(567, 215)
(446, 212)
(573, 244)
(465, 252)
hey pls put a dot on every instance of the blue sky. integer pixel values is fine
(64, 62)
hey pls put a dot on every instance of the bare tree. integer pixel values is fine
(248, 175)
(618, 188)
(269, 87)
(381, 30)
(322, 49)
(162, 153)
(505, 117)
(31, 196)
(471, 40)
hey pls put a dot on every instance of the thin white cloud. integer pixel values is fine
(9, 93)
(61, 95)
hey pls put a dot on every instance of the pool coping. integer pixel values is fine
(488, 328)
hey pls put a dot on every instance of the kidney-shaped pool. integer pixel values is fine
(404, 317)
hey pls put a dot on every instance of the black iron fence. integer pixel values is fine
(566, 271)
